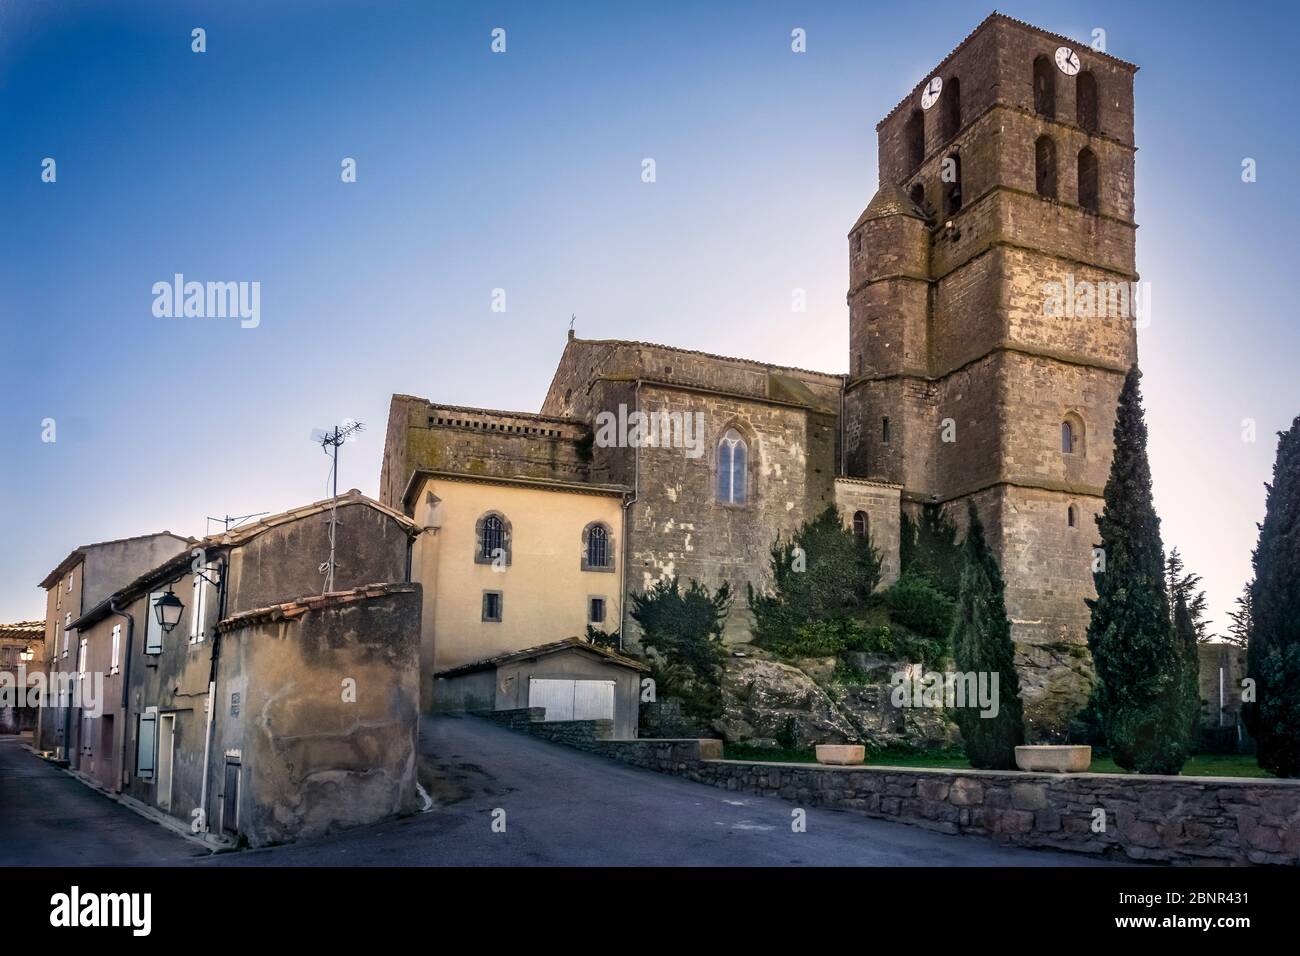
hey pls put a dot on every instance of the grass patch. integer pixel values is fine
(1199, 765)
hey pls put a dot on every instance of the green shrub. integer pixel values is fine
(605, 639)
(929, 549)
(921, 607)
(682, 634)
(823, 573)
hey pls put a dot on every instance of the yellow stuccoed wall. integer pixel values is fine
(544, 590)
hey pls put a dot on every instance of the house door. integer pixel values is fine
(230, 799)
(166, 737)
(572, 699)
(107, 751)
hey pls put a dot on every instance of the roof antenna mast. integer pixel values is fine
(331, 439)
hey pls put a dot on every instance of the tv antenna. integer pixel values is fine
(232, 522)
(332, 438)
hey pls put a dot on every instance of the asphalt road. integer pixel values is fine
(566, 808)
(48, 818)
(561, 808)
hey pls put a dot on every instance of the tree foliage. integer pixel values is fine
(822, 573)
(1273, 652)
(1140, 664)
(981, 642)
(929, 548)
(682, 633)
(1239, 630)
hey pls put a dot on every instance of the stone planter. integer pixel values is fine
(1054, 758)
(841, 754)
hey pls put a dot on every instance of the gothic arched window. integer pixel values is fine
(1067, 438)
(1045, 167)
(1088, 179)
(733, 474)
(861, 524)
(597, 547)
(915, 140)
(950, 104)
(492, 539)
(1086, 102)
(1044, 87)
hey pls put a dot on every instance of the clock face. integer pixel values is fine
(1067, 60)
(930, 95)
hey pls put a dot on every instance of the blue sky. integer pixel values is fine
(522, 172)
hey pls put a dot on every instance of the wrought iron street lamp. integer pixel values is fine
(168, 609)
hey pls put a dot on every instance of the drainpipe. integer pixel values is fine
(844, 384)
(627, 525)
(126, 682)
(212, 690)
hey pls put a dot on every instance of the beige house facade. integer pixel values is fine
(508, 564)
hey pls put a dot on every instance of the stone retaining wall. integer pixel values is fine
(1188, 820)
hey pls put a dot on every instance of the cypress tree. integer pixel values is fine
(981, 641)
(1273, 653)
(1187, 617)
(1185, 640)
(1140, 666)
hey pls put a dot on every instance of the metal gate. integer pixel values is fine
(572, 699)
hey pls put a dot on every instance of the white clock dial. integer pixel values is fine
(930, 95)
(1067, 60)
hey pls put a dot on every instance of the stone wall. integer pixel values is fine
(1182, 820)
(880, 503)
(477, 441)
(317, 703)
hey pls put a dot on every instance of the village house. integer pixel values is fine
(81, 580)
(22, 666)
(240, 700)
(509, 567)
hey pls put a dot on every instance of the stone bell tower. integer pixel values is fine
(992, 319)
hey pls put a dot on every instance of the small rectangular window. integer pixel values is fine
(596, 610)
(884, 431)
(492, 606)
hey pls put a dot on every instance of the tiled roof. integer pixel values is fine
(723, 358)
(315, 602)
(569, 643)
(23, 630)
(229, 539)
(516, 481)
(77, 554)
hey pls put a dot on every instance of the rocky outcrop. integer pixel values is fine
(771, 703)
(1055, 681)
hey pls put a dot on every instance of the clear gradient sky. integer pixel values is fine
(522, 171)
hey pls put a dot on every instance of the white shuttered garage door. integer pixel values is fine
(572, 699)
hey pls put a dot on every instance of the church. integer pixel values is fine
(1007, 171)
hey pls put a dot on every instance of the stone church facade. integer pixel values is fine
(1007, 172)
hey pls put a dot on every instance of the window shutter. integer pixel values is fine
(146, 744)
(153, 633)
(117, 646)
